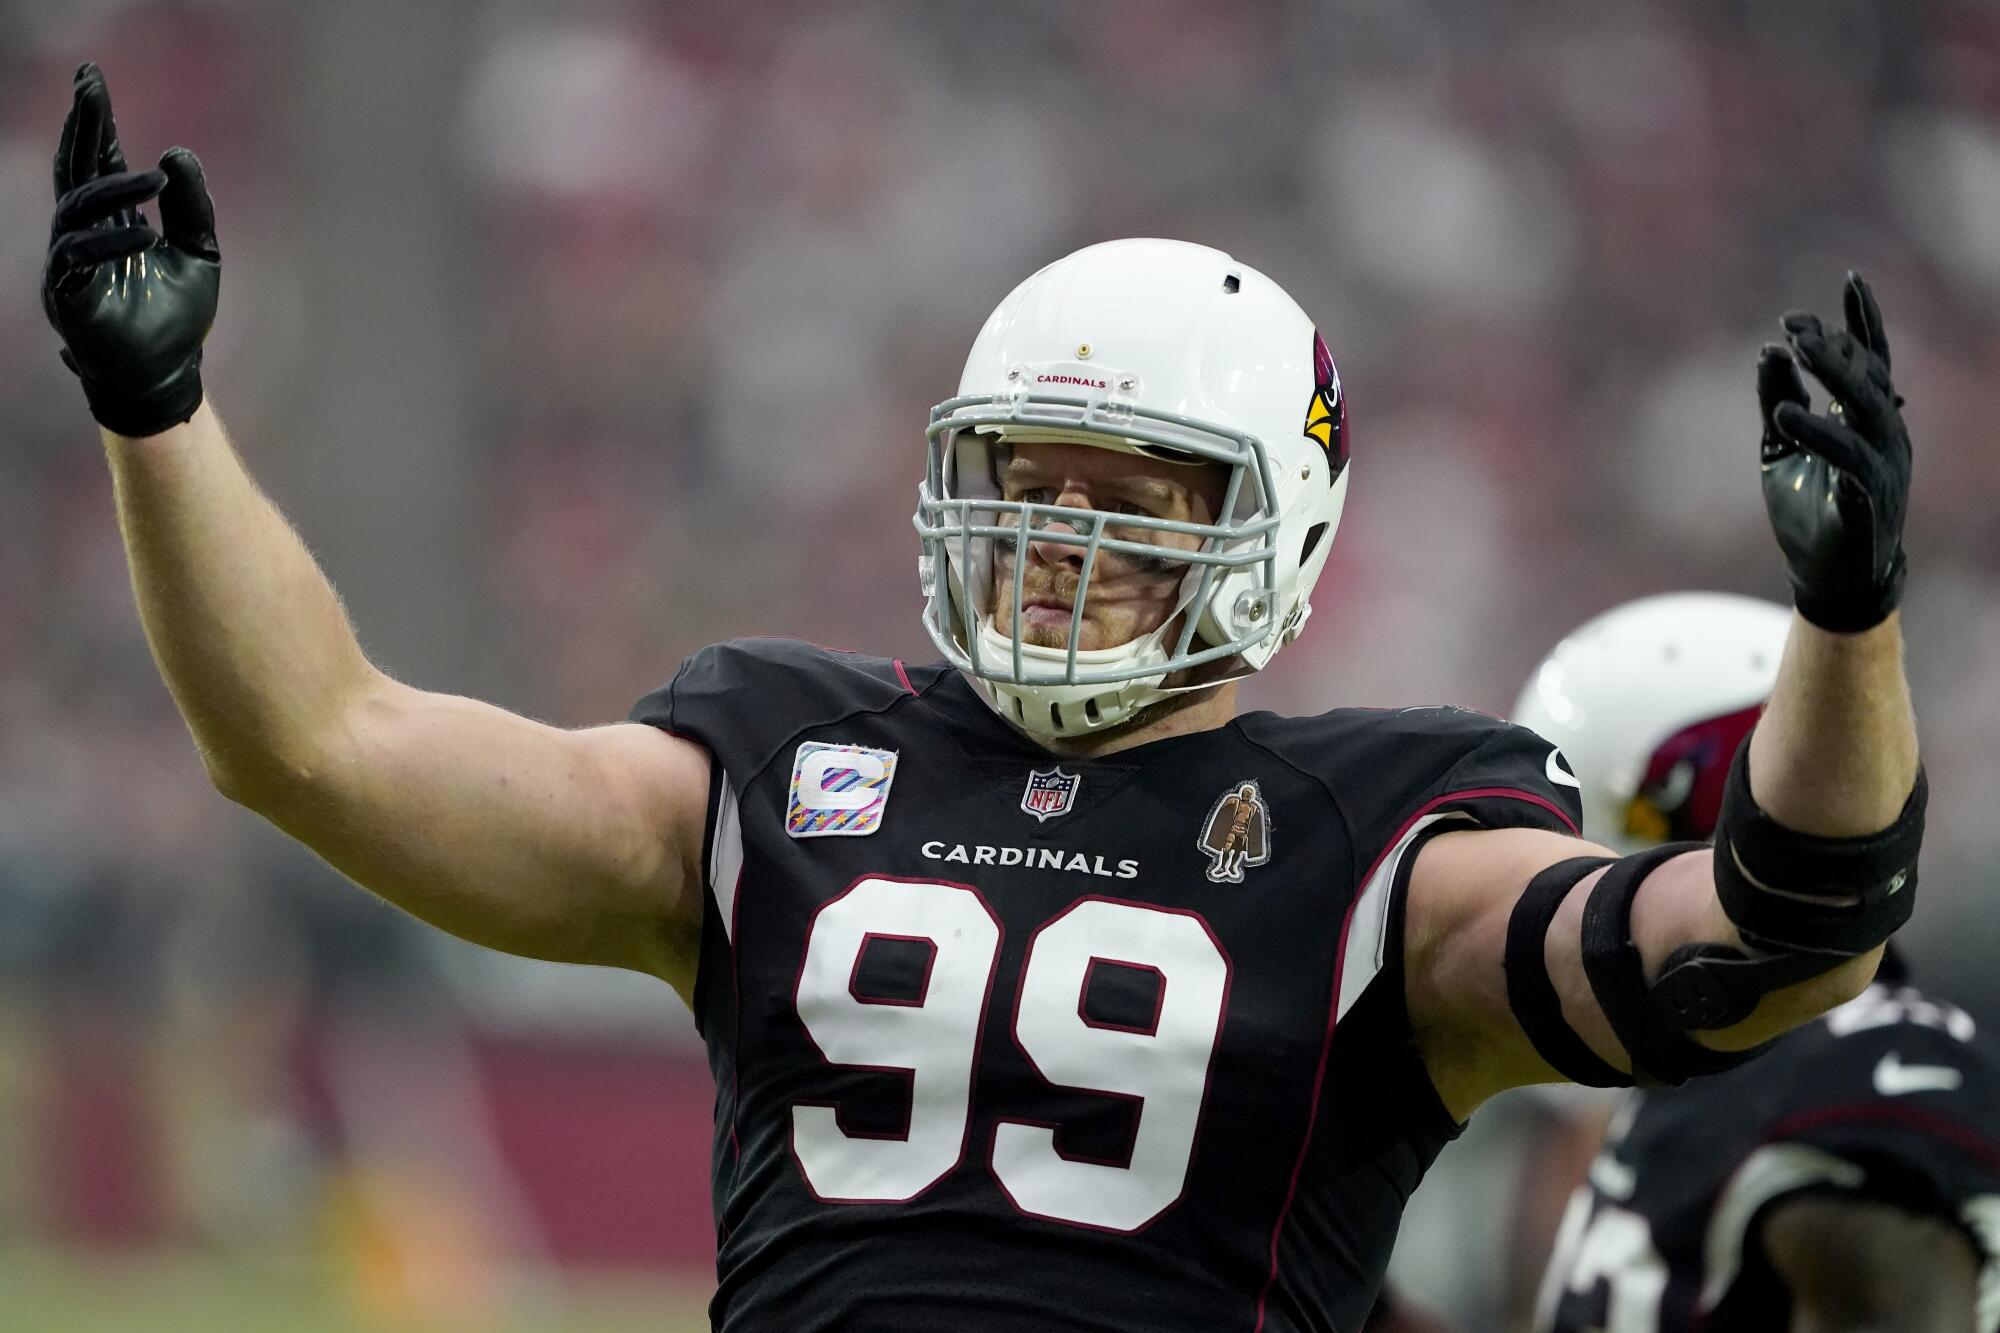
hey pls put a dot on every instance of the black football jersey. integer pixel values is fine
(1893, 1096)
(1006, 1041)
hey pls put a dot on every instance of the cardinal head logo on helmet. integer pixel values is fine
(1326, 414)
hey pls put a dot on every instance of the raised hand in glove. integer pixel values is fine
(1837, 484)
(132, 305)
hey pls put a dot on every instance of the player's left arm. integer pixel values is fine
(1855, 1265)
(1655, 962)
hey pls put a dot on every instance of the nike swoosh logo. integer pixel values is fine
(1558, 774)
(1893, 1078)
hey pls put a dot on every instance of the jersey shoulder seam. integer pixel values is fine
(778, 749)
(1347, 824)
(1353, 847)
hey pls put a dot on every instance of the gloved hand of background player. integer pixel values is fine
(132, 305)
(1837, 484)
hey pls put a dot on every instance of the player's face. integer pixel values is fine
(1129, 596)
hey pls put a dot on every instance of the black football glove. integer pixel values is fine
(132, 305)
(1837, 485)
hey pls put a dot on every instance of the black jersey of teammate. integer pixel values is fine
(1004, 1041)
(1893, 1096)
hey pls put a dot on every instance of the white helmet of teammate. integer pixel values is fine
(1649, 701)
(1163, 349)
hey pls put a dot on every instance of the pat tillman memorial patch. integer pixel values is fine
(1236, 834)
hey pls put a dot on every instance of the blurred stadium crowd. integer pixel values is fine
(575, 337)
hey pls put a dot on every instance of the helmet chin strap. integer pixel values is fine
(1051, 709)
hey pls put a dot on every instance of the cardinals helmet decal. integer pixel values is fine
(1680, 797)
(1326, 414)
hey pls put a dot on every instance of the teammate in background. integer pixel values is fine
(999, 1040)
(1848, 1179)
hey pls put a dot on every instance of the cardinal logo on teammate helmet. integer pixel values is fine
(1680, 797)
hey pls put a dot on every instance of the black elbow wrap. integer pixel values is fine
(1651, 1022)
(1532, 996)
(1792, 892)
(1804, 904)
(1698, 988)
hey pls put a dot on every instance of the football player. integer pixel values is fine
(1040, 986)
(1850, 1178)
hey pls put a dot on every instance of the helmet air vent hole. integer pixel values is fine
(1313, 534)
(1232, 284)
(1090, 711)
(1055, 716)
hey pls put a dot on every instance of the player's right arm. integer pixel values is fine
(1861, 1266)
(575, 846)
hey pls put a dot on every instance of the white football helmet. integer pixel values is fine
(1648, 703)
(1152, 347)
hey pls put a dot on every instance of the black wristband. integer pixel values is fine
(139, 415)
(1849, 610)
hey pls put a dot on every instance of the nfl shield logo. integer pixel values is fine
(1050, 792)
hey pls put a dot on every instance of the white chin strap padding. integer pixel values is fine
(1069, 710)
(1048, 707)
